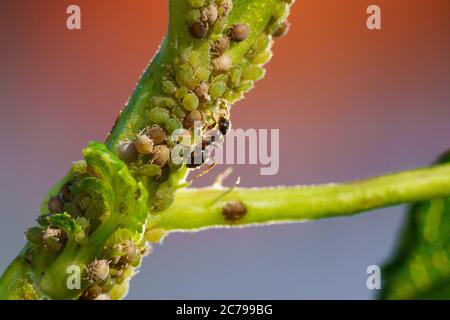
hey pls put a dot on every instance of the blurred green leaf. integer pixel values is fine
(420, 267)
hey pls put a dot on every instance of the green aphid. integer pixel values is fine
(185, 52)
(253, 73)
(181, 92)
(202, 74)
(219, 26)
(262, 44)
(162, 102)
(245, 86)
(217, 89)
(163, 198)
(235, 75)
(185, 74)
(173, 124)
(193, 16)
(194, 59)
(262, 58)
(34, 235)
(190, 101)
(159, 116)
(168, 87)
(179, 113)
(221, 78)
(149, 170)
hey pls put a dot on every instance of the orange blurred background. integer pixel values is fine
(349, 103)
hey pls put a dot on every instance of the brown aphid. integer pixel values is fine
(222, 63)
(129, 249)
(202, 92)
(220, 46)
(157, 134)
(234, 210)
(165, 174)
(209, 14)
(191, 118)
(143, 144)
(198, 30)
(161, 154)
(98, 270)
(53, 238)
(65, 194)
(128, 152)
(239, 32)
(55, 205)
(281, 30)
(91, 293)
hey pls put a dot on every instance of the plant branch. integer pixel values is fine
(196, 209)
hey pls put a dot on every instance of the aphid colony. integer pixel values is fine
(121, 253)
(199, 86)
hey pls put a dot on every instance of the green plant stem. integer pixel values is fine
(196, 209)
(39, 274)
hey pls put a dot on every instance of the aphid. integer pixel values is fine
(65, 194)
(157, 134)
(53, 238)
(198, 30)
(239, 32)
(193, 16)
(128, 152)
(281, 30)
(190, 102)
(161, 154)
(164, 175)
(34, 235)
(209, 14)
(224, 125)
(185, 74)
(155, 235)
(202, 92)
(217, 89)
(181, 92)
(220, 46)
(226, 7)
(55, 205)
(144, 145)
(91, 293)
(254, 73)
(129, 250)
(168, 87)
(98, 270)
(222, 63)
(158, 115)
(234, 210)
(173, 124)
(191, 118)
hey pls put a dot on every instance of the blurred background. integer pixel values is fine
(349, 103)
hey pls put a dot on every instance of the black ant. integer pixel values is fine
(223, 125)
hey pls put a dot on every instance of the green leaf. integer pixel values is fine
(420, 268)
